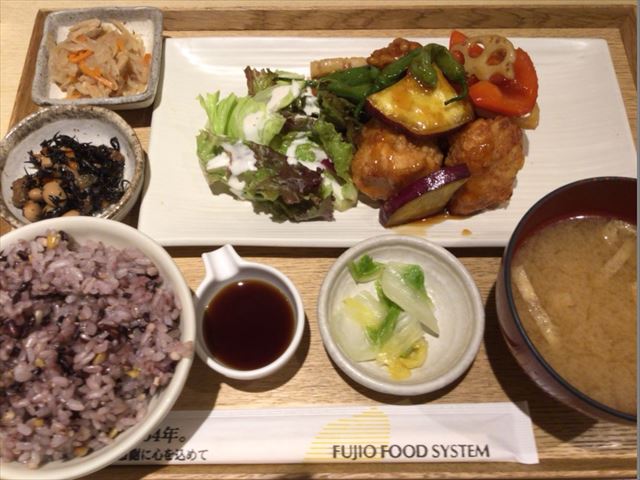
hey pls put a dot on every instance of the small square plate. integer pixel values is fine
(143, 21)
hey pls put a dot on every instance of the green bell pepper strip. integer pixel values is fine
(454, 71)
(395, 70)
(357, 83)
(422, 69)
(355, 93)
(353, 76)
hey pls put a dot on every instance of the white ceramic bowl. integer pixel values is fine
(95, 125)
(458, 308)
(117, 234)
(224, 266)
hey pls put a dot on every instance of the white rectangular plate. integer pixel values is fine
(583, 132)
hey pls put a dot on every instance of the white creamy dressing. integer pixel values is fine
(252, 124)
(317, 151)
(280, 93)
(242, 158)
(238, 158)
(236, 186)
(311, 106)
(336, 188)
(219, 161)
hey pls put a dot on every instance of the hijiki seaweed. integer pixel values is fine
(70, 178)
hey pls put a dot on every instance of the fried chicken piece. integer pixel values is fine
(387, 160)
(492, 149)
(398, 48)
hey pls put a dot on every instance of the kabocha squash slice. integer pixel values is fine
(418, 109)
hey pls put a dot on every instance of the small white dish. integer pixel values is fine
(458, 308)
(143, 21)
(223, 267)
(94, 125)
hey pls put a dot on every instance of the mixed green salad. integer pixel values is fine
(387, 326)
(282, 147)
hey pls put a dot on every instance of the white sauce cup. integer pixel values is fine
(223, 267)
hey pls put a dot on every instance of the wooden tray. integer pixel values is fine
(570, 445)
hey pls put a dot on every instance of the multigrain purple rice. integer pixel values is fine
(88, 334)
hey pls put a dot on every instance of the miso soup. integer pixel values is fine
(574, 284)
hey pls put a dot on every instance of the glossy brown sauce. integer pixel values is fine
(419, 227)
(248, 324)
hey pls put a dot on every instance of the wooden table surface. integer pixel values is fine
(570, 444)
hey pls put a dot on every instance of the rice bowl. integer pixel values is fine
(130, 398)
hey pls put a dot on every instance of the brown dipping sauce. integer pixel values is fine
(248, 324)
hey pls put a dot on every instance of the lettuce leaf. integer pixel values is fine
(310, 187)
(341, 113)
(251, 121)
(218, 111)
(279, 96)
(339, 151)
(346, 198)
(286, 191)
(207, 145)
(212, 158)
(258, 80)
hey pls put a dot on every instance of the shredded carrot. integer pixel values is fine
(147, 58)
(97, 74)
(91, 72)
(83, 38)
(106, 83)
(75, 57)
(120, 43)
(74, 94)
